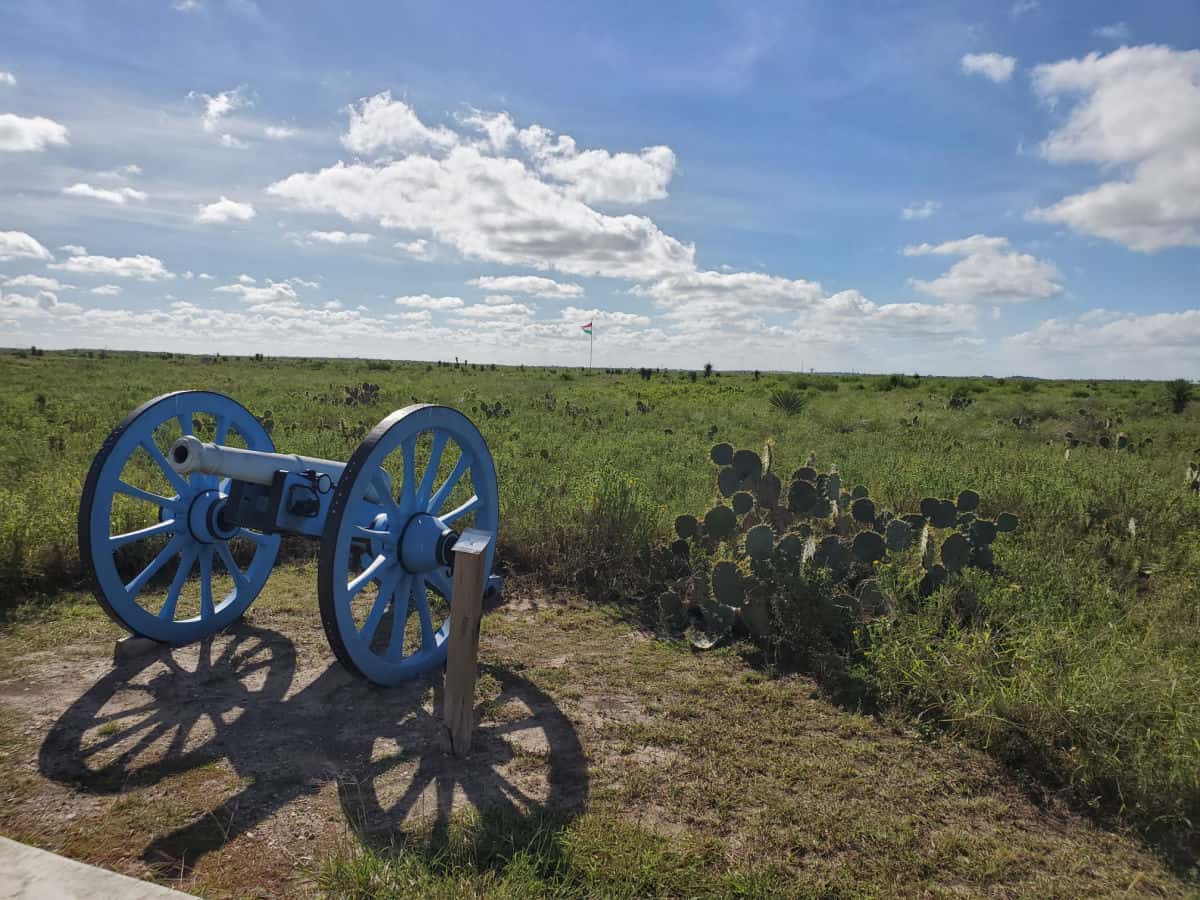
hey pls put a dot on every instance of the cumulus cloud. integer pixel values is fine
(19, 134)
(993, 66)
(417, 249)
(262, 296)
(380, 123)
(1135, 110)
(920, 210)
(498, 128)
(141, 267)
(233, 143)
(107, 290)
(495, 311)
(338, 237)
(528, 286)
(990, 271)
(494, 208)
(598, 176)
(39, 282)
(119, 196)
(602, 317)
(224, 210)
(699, 297)
(218, 106)
(19, 245)
(1100, 335)
(8, 79)
(425, 301)
(279, 132)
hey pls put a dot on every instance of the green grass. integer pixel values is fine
(1081, 664)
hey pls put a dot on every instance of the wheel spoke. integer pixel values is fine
(383, 492)
(222, 431)
(257, 537)
(395, 650)
(138, 494)
(408, 487)
(421, 595)
(387, 587)
(134, 587)
(239, 577)
(206, 600)
(461, 511)
(367, 574)
(186, 560)
(185, 423)
(373, 534)
(440, 582)
(431, 468)
(167, 526)
(177, 480)
(464, 462)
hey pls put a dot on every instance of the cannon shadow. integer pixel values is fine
(229, 698)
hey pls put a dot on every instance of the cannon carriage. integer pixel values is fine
(192, 479)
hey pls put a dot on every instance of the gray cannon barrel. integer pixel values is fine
(190, 454)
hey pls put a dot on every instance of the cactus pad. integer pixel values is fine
(898, 536)
(720, 522)
(956, 553)
(968, 501)
(748, 466)
(721, 454)
(769, 489)
(983, 532)
(727, 584)
(1006, 522)
(802, 495)
(944, 516)
(863, 510)
(743, 502)
(686, 526)
(868, 547)
(727, 481)
(760, 540)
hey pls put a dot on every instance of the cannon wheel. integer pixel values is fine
(137, 515)
(361, 579)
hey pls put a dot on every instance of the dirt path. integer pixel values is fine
(234, 767)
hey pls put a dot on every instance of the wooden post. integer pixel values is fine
(466, 610)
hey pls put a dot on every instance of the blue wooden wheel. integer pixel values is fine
(423, 474)
(138, 515)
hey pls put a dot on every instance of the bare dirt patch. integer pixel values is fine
(234, 767)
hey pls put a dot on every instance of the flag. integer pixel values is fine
(587, 329)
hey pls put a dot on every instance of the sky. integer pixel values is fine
(944, 188)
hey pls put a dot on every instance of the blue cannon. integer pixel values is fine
(192, 479)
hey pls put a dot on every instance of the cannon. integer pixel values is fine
(192, 479)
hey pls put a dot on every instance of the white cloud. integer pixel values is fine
(187, 5)
(73, 250)
(225, 210)
(851, 310)
(424, 301)
(699, 299)
(204, 276)
(19, 134)
(528, 286)
(602, 317)
(994, 66)
(921, 210)
(417, 249)
(338, 237)
(233, 143)
(300, 282)
(1136, 110)
(219, 106)
(118, 196)
(381, 123)
(40, 282)
(598, 176)
(1099, 336)
(495, 311)
(268, 295)
(498, 299)
(490, 208)
(1117, 31)
(107, 290)
(8, 78)
(280, 132)
(19, 245)
(142, 267)
(498, 128)
(990, 271)
(1022, 7)
(246, 279)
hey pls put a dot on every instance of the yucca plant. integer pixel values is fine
(787, 401)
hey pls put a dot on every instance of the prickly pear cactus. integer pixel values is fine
(763, 537)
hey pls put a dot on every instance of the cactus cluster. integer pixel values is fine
(495, 410)
(1193, 477)
(759, 533)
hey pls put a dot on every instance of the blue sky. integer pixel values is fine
(944, 188)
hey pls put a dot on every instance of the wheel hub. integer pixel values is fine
(425, 544)
(204, 519)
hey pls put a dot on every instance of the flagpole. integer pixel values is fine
(591, 340)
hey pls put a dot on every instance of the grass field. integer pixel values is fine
(1079, 666)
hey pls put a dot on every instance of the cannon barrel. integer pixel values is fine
(190, 454)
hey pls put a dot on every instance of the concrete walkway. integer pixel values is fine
(27, 873)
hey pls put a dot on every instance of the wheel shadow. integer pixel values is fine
(229, 698)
